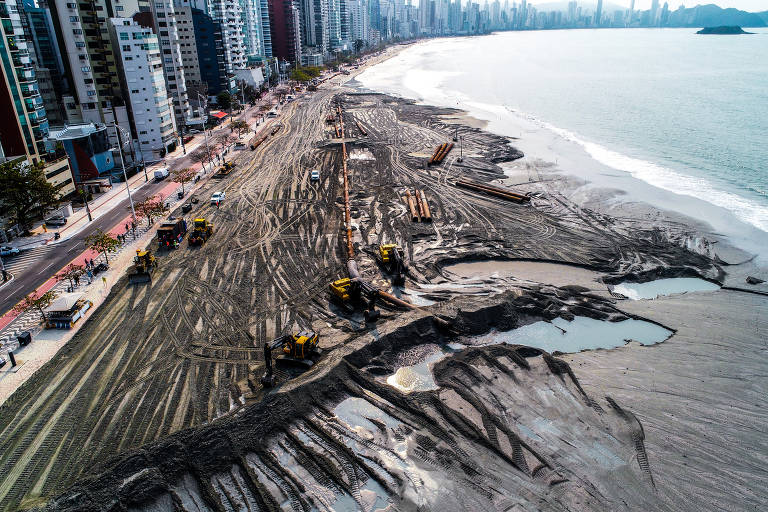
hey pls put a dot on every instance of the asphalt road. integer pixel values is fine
(33, 276)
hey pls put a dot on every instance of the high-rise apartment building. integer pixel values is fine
(285, 27)
(252, 28)
(228, 14)
(160, 16)
(23, 121)
(141, 75)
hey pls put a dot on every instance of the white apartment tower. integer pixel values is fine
(229, 14)
(166, 27)
(140, 68)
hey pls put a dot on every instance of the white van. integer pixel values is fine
(161, 173)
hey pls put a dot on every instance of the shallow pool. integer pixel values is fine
(582, 333)
(654, 289)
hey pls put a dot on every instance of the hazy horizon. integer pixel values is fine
(744, 5)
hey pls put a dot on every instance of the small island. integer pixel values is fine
(724, 30)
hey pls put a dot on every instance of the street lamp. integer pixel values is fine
(205, 132)
(125, 176)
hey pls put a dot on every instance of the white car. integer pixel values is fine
(218, 197)
(314, 176)
(9, 251)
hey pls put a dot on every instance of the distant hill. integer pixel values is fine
(726, 30)
(715, 16)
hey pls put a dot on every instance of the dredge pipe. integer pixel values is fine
(493, 188)
(437, 152)
(412, 206)
(388, 297)
(512, 196)
(419, 208)
(360, 127)
(347, 214)
(427, 213)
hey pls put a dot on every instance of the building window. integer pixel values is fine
(79, 44)
(77, 31)
(71, 6)
(74, 19)
(126, 47)
(85, 69)
(91, 93)
(119, 8)
(123, 36)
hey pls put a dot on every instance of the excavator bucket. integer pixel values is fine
(140, 277)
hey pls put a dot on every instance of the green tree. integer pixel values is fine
(101, 242)
(183, 176)
(150, 208)
(241, 127)
(34, 301)
(224, 100)
(300, 75)
(70, 273)
(359, 45)
(24, 191)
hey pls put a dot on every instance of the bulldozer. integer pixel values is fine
(144, 265)
(298, 349)
(201, 232)
(356, 293)
(393, 258)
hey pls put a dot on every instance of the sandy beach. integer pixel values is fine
(157, 404)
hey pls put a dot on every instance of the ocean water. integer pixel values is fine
(664, 115)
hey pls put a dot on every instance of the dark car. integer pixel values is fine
(57, 220)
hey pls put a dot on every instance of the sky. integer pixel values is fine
(744, 5)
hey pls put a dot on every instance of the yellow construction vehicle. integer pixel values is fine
(297, 349)
(354, 293)
(201, 232)
(393, 258)
(144, 265)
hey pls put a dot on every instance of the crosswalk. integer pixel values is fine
(33, 258)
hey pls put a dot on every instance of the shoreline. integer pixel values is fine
(554, 151)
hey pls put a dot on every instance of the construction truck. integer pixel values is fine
(393, 258)
(171, 233)
(201, 232)
(297, 349)
(144, 265)
(355, 293)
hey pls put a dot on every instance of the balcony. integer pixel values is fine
(30, 93)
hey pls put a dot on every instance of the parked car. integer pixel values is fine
(194, 131)
(56, 221)
(217, 197)
(7, 250)
(240, 145)
(271, 114)
(314, 176)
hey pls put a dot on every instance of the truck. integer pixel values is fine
(171, 233)
(161, 173)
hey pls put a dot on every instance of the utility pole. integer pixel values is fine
(461, 150)
(205, 132)
(125, 176)
(87, 207)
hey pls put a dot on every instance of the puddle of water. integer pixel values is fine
(355, 412)
(654, 289)
(417, 377)
(582, 333)
(418, 298)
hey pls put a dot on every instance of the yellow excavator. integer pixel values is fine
(298, 349)
(353, 293)
(144, 265)
(201, 232)
(393, 258)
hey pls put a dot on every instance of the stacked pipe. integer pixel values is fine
(440, 153)
(418, 206)
(360, 127)
(256, 142)
(494, 191)
(275, 129)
